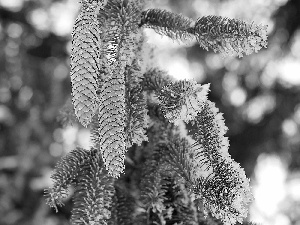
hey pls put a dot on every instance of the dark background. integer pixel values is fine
(258, 94)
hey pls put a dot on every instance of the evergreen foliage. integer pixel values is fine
(135, 107)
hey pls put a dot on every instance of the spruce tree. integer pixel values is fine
(138, 114)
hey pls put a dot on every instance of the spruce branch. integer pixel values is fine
(175, 153)
(152, 193)
(85, 61)
(182, 100)
(167, 23)
(229, 36)
(160, 130)
(225, 191)
(221, 34)
(155, 79)
(136, 102)
(156, 114)
(93, 194)
(135, 71)
(138, 120)
(121, 35)
(185, 208)
(88, 4)
(66, 171)
(209, 134)
(154, 185)
(123, 207)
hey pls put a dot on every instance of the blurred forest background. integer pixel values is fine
(258, 94)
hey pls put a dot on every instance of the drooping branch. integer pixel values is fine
(167, 23)
(136, 101)
(229, 36)
(93, 194)
(221, 34)
(225, 190)
(65, 173)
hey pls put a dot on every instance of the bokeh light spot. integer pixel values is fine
(289, 127)
(12, 5)
(238, 96)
